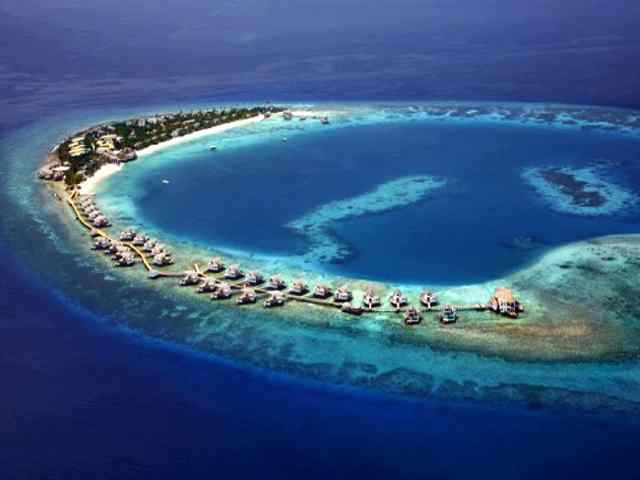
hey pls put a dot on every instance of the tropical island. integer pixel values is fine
(557, 318)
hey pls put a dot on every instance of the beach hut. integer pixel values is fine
(208, 286)
(448, 315)
(222, 292)
(299, 287)
(412, 316)
(127, 235)
(276, 299)
(215, 265)
(342, 294)
(322, 291)
(276, 283)
(370, 299)
(233, 273)
(397, 299)
(254, 278)
(246, 296)
(428, 299)
(190, 279)
(504, 302)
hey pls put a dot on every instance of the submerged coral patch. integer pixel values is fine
(316, 225)
(579, 191)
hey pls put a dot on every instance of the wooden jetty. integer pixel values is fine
(502, 301)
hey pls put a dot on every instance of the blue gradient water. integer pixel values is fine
(81, 399)
(242, 196)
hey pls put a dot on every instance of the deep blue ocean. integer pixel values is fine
(81, 399)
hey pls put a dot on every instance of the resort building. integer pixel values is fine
(504, 302)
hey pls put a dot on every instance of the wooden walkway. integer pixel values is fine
(237, 285)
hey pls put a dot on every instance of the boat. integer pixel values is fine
(397, 299)
(342, 294)
(428, 299)
(276, 299)
(324, 120)
(285, 139)
(412, 316)
(165, 181)
(247, 296)
(276, 283)
(448, 315)
(212, 148)
(299, 287)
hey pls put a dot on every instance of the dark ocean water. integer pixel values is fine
(80, 400)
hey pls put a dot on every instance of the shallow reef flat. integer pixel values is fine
(579, 191)
(577, 344)
(317, 225)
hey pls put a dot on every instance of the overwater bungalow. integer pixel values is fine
(93, 214)
(348, 307)
(100, 222)
(162, 259)
(342, 294)
(322, 291)
(412, 316)
(215, 265)
(276, 299)
(102, 243)
(370, 299)
(148, 245)
(233, 272)
(428, 299)
(448, 315)
(208, 286)
(397, 300)
(127, 235)
(299, 287)
(276, 283)
(127, 259)
(246, 296)
(222, 292)
(190, 278)
(139, 239)
(157, 250)
(254, 278)
(504, 302)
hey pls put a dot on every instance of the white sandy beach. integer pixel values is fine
(89, 185)
(199, 134)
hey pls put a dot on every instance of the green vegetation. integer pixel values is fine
(118, 141)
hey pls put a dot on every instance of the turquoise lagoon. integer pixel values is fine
(475, 216)
(243, 199)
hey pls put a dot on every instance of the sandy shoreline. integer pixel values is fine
(89, 186)
(199, 134)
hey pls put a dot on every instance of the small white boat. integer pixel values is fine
(165, 181)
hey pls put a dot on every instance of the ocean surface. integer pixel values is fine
(86, 394)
